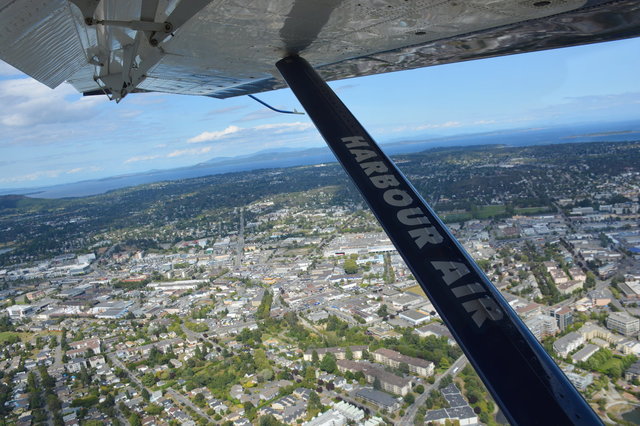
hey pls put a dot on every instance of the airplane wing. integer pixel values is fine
(225, 48)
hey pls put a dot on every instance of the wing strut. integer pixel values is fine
(523, 379)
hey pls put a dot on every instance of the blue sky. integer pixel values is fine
(56, 136)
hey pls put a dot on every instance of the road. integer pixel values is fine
(45, 406)
(174, 395)
(121, 365)
(186, 401)
(410, 413)
(191, 334)
(57, 363)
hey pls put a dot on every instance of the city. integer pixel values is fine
(188, 303)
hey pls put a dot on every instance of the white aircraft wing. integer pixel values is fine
(225, 48)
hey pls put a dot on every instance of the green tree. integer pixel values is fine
(154, 409)
(328, 363)
(444, 362)
(249, 410)
(383, 311)
(591, 280)
(348, 354)
(409, 398)
(134, 420)
(376, 384)
(149, 379)
(350, 266)
(265, 305)
(310, 375)
(314, 405)
(269, 420)
(198, 399)
(260, 359)
(445, 381)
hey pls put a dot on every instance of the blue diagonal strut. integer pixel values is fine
(523, 379)
(275, 109)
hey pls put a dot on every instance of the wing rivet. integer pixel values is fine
(542, 3)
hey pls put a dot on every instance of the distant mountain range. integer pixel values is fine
(288, 157)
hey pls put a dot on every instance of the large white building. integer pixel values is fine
(19, 311)
(567, 344)
(623, 323)
(395, 359)
(542, 326)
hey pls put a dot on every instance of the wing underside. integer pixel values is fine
(225, 48)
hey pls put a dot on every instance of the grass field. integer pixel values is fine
(9, 337)
(456, 217)
(416, 289)
(532, 210)
(487, 212)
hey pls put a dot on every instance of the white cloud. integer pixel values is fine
(32, 176)
(83, 169)
(257, 115)
(212, 136)
(344, 87)
(192, 151)
(173, 154)
(284, 127)
(142, 158)
(445, 125)
(29, 103)
(226, 110)
(48, 174)
(274, 129)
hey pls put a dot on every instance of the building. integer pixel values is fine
(414, 317)
(19, 311)
(436, 329)
(567, 344)
(629, 346)
(594, 332)
(585, 353)
(381, 399)
(632, 372)
(563, 316)
(287, 409)
(75, 365)
(339, 353)
(599, 298)
(580, 380)
(176, 285)
(568, 287)
(542, 326)
(328, 418)
(405, 301)
(394, 359)
(388, 381)
(85, 345)
(623, 323)
(458, 409)
(351, 412)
